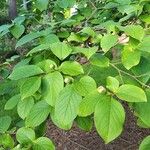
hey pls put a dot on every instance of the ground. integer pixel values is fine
(76, 139)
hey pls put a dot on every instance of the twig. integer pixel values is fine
(95, 9)
(132, 76)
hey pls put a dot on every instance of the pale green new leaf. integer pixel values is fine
(71, 68)
(109, 117)
(30, 86)
(67, 105)
(52, 84)
(131, 93)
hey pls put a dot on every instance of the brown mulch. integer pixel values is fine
(76, 139)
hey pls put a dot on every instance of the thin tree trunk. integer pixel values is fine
(12, 9)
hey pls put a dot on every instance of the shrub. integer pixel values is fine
(78, 66)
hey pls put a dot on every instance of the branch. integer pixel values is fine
(130, 75)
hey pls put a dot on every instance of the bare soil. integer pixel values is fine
(76, 139)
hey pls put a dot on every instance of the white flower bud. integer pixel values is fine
(101, 89)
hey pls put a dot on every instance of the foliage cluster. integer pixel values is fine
(75, 62)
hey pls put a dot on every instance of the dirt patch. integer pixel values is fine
(76, 139)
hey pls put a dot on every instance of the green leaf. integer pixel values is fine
(39, 49)
(23, 62)
(24, 72)
(4, 28)
(85, 85)
(67, 105)
(24, 107)
(99, 60)
(108, 41)
(131, 93)
(63, 34)
(122, 2)
(25, 135)
(71, 68)
(19, 20)
(41, 4)
(49, 39)
(58, 123)
(87, 106)
(127, 9)
(65, 3)
(12, 102)
(84, 123)
(38, 114)
(6, 141)
(5, 122)
(88, 52)
(27, 38)
(142, 110)
(141, 124)
(18, 147)
(145, 18)
(145, 145)
(143, 68)
(109, 117)
(47, 65)
(135, 31)
(130, 57)
(17, 30)
(112, 84)
(74, 37)
(61, 50)
(43, 143)
(145, 45)
(88, 31)
(30, 86)
(52, 84)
